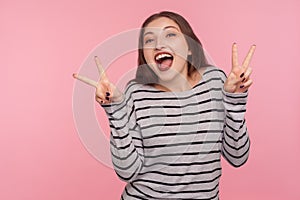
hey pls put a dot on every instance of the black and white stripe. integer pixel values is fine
(168, 145)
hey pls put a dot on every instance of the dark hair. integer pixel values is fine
(145, 74)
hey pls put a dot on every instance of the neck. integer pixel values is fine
(179, 83)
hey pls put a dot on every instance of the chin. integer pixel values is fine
(165, 79)
(167, 76)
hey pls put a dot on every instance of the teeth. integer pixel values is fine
(160, 56)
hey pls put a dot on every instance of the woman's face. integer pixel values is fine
(165, 49)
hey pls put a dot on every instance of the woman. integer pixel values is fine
(177, 117)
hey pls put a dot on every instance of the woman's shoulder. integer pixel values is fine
(214, 72)
(133, 86)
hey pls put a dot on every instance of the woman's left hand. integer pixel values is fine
(238, 80)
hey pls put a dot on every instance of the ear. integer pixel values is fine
(189, 52)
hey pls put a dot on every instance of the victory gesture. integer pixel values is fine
(238, 80)
(106, 92)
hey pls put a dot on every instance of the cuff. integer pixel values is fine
(234, 101)
(235, 97)
(111, 108)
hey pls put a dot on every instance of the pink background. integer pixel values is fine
(43, 43)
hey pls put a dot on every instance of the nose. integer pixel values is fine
(160, 43)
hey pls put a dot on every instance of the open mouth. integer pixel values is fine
(163, 60)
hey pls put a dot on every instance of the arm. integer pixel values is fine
(235, 143)
(125, 139)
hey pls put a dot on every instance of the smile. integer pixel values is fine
(163, 60)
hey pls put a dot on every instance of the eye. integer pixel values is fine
(148, 41)
(170, 35)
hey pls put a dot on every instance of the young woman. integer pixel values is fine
(177, 117)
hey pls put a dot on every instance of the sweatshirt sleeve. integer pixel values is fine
(126, 145)
(235, 141)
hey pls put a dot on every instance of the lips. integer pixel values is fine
(163, 60)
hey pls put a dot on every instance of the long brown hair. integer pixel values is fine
(145, 74)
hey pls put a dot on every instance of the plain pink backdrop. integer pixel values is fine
(42, 43)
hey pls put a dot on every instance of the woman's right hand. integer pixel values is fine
(106, 92)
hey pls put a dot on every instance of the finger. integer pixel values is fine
(234, 56)
(249, 56)
(99, 100)
(85, 80)
(104, 92)
(100, 69)
(246, 85)
(100, 92)
(247, 74)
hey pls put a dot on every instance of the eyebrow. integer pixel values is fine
(150, 32)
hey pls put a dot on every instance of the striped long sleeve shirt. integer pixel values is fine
(168, 145)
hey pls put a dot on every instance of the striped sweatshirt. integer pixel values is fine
(168, 145)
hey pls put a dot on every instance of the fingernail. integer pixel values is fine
(107, 98)
(243, 79)
(241, 86)
(242, 75)
(107, 94)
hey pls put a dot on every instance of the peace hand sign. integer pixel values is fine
(238, 80)
(106, 92)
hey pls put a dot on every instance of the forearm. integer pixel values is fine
(236, 142)
(127, 154)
